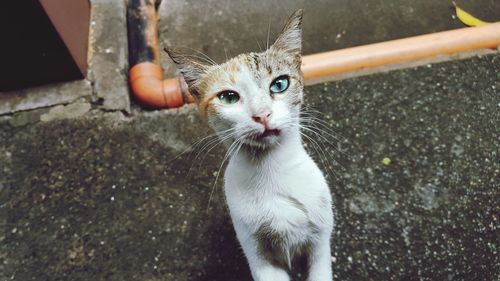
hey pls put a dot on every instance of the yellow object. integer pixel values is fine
(467, 18)
(386, 161)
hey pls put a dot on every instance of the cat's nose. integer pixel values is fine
(262, 118)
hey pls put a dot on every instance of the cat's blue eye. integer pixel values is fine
(228, 97)
(280, 84)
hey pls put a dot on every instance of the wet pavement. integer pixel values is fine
(97, 195)
(91, 190)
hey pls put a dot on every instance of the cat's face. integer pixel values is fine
(254, 98)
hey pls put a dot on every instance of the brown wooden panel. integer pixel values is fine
(32, 52)
(71, 19)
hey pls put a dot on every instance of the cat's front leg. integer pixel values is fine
(269, 273)
(265, 266)
(320, 268)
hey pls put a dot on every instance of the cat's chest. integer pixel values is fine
(293, 215)
(294, 176)
(290, 199)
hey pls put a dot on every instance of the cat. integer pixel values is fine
(278, 198)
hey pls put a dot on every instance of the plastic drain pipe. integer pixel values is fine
(146, 74)
(327, 64)
(149, 87)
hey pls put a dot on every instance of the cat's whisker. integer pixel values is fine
(229, 151)
(203, 54)
(324, 124)
(215, 136)
(268, 31)
(200, 58)
(329, 138)
(322, 156)
(322, 132)
(191, 148)
(331, 156)
(312, 118)
(221, 135)
(323, 153)
(322, 138)
(204, 144)
(316, 147)
(312, 112)
(209, 147)
(225, 52)
(322, 129)
(256, 40)
(222, 138)
(319, 133)
(325, 129)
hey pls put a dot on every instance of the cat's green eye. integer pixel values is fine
(280, 84)
(228, 97)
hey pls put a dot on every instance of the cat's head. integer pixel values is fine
(254, 98)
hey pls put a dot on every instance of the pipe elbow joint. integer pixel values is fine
(148, 86)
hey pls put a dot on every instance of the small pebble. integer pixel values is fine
(386, 161)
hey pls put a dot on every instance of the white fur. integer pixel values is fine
(269, 180)
(256, 188)
(256, 194)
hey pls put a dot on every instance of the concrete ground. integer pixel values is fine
(106, 197)
(93, 190)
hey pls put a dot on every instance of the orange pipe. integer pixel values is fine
(149, 87)
(402, 50)
(146, 75)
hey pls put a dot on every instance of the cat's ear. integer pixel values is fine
(191, 69)
(290, 38)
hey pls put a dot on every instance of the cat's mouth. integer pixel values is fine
(263, 139)
(267, 133)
